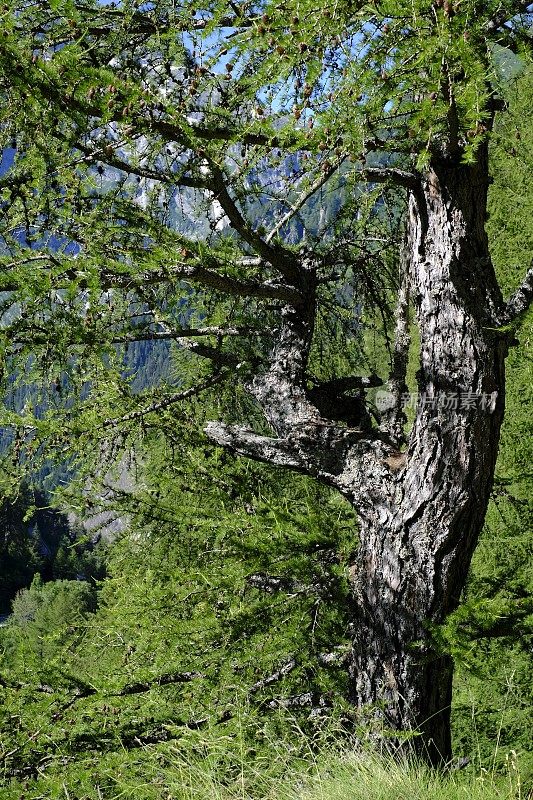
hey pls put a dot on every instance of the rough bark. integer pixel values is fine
(421, 510)
(411, 568)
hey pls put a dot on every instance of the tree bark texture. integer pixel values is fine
(421, 510)
(412, 562)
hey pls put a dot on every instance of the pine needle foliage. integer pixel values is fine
(490, 634)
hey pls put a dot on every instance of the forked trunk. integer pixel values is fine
(414, 554)
(421, 511)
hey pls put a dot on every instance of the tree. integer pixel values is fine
(162, 163)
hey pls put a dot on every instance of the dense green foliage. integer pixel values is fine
(20, 558)
(186, 594)
(491, 633)
(121, 125)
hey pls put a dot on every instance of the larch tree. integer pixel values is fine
(163, 171)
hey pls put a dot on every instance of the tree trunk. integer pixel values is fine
(414, 555)
(421, 511)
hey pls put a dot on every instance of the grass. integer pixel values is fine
(209, 772)
(370, 777)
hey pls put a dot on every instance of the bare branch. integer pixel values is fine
(399, 177)
(304, 197)
(318, 449)
(181, 333)
(253, 445)
(276, 676)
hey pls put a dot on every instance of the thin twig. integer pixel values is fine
(165, 403)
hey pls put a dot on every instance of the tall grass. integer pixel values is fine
(352, 776)
(208, 771)
(372, 777)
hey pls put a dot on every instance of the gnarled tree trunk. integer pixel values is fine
(421, 509)
(413, 560)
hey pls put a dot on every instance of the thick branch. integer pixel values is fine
(215, 280)
(397, 176)
(253, 445)
(352, 460)
(278, 256)
(180, 333)
(519, 302)
(214, 354)
(172, 133)
(197, 274)
(393, 416)
(350, 383)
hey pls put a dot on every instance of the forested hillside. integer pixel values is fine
(219, 299)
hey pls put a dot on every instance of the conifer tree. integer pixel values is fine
(161, 164)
